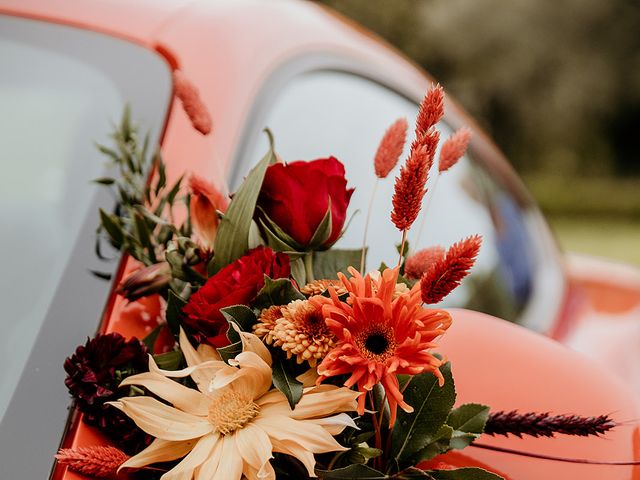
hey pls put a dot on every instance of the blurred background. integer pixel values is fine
(556, 84)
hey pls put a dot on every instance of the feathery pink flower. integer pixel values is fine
(410, 185)
(97, 461)
(431, 110)
(193, 105)
(206, 200)
(390, 148)
(446, 274)
(453, 149)
(419, 262)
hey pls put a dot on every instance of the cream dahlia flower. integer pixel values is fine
(233, 423)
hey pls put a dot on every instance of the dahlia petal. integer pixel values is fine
(163, 421)
(201, 452)
(308, 378)
(230, 466)
(254, 446)
(322, 403)
(159, 451)
(208, 469)
(309, 436)
(335, 424)
(253, 377)
(251, 343)
(291, 448)
(186, 399)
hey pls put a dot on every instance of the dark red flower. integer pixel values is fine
(296, 196)
(237, 283)
(94, 372)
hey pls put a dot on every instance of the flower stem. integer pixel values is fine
(402, 244)
(366, 225)
(376, 426)
(308, 266)
(550, 457)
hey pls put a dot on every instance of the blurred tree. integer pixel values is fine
(557, 83)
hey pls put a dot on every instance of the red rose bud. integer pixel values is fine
(295, 198)
(206, 200)
(237, 283)
(146, 281)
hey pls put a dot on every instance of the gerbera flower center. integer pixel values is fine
(231, 411)
(377, 343)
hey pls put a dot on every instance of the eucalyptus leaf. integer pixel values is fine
(277, 292)
(431, 403)
(232, 239)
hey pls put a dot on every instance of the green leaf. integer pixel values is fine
(412, 473)
(174, 312)
(111, 224)
(232, 239)
(297, 271)
(284, 379)
(468, 423)
(230, 351)
(144, 235)
(464, 474)
(432, 404)
(274, 241)
(169, 361)
(171, 196)
(104, 181)
(242, 316)
(439, 444)
(358, 471)
(277, 292)
(323, 232)
(162, 174)
(328, 263)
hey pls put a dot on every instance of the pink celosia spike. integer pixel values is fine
(193, 105)
(410, 186)
(390, 148)
(419, 262)
(97, 461)
(446, 274)
(431, 110)
(453, 149)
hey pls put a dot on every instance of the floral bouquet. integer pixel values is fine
(286, 359)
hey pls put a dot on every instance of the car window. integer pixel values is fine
(332, 113)
(61, 89)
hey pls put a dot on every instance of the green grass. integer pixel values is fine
(595, 216)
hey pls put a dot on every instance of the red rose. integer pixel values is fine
(237, 283)
(295, 196)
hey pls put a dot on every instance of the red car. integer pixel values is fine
(324, 87)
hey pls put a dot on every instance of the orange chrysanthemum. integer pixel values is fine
(419, 262)
(410, 186)
(193, 105)
(206, 200)
(379, 337)
(267, 322)
(390, 148)
(446, 274)
(318, 287)
(453, 149)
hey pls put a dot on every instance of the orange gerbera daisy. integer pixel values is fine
(379, 336)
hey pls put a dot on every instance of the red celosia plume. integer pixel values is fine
(410, 186)
(206, 200)
(431, 110)
(419, 262)
(193, 105)
(97, 461)
(446, 274)
(453, 149)
(390, 148)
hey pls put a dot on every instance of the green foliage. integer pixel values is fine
(277, 292)
(467, 422)
(284, 379)
(170, 360)
(232, 239)
(464, 474)
(328, 263)
(414, 432)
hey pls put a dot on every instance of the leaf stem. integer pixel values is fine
(550, 457)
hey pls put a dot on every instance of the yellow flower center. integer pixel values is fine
(231, 411)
